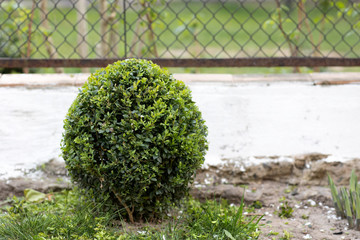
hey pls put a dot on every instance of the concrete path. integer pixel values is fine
(77, 79)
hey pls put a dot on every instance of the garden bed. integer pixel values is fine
(303, 189)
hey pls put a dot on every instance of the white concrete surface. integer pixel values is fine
(244, 120)
(77, 79)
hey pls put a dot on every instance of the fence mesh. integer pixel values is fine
(197, 29)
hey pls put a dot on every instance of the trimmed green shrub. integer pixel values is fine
(134, 136)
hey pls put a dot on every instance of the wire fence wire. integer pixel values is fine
(173, 29)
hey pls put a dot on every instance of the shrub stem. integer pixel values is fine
(130, 213)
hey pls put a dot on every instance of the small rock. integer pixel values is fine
(16, 186)
(307, 236)
(54, 167)
(299, 163)
(310, 157)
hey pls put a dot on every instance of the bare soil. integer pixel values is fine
(313, 215)
(301, 185)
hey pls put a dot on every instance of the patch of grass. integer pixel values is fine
(67, 215)
(213, 220)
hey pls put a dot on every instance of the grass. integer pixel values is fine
(234, 32)
(67, 215)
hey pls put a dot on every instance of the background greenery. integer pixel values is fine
(192, 29)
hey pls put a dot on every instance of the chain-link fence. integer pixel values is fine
(234, 32)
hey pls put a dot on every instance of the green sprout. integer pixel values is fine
(347, 201)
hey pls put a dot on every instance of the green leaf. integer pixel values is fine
(357, 208)
(325, 5)
(353, 181)
(229, 235)
(347, 202)
(34, 196)
(336, 199)
(340, 5)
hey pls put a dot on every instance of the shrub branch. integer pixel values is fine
(130, 213)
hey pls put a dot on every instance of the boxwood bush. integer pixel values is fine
(135, 137)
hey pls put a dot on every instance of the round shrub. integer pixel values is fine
(134, 136)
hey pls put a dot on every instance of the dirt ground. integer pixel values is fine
(300, 185)
(313, 215)
(307, 222)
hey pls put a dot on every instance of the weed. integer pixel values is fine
(346, 201)
(305, 216)
(286, 235)
(285, 211)
(271, 233)
(256, 205)
(290, 189)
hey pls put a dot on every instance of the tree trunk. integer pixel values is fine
(82, 31)
(111, 21)
(103, 26)
(28, 49)
(48, 40)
